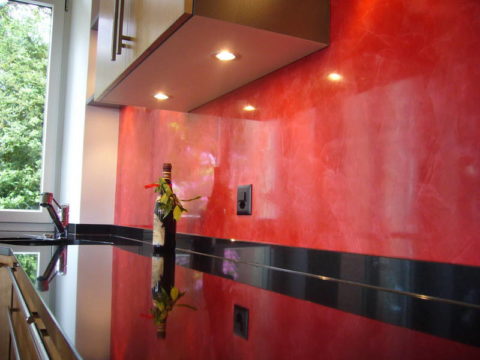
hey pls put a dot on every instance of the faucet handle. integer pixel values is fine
(65, 214)
(47, 199)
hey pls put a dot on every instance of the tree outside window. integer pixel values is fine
(29, 262)
(25, 31)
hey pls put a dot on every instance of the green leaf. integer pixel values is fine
(159, 305)
(174, 293)
(167, 209)
(164, 199)
(163, 293)
(177, 212)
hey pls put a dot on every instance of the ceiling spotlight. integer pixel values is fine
(225, 55)
(249, 108)
(161, 96)
(334, 76)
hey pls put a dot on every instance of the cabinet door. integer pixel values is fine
(140, 23)
(109, 64)
(152, 19)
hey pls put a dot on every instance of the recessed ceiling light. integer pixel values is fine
(334, 76)
(249, 108)
(225, 55)
(161, 96)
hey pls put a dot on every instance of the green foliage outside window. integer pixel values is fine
(24, 48)
(29, 264)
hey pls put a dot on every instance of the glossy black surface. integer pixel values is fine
(445, 281)
(436, 298)
(435, 316)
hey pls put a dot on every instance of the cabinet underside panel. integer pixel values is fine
(184, 66)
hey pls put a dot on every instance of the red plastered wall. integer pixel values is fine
(385, 161)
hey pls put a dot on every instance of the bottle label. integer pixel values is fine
(158, 228)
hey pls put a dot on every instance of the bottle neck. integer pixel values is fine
(167, 173)
(168, 180)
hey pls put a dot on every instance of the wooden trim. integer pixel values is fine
(188, 6)
(6, 261)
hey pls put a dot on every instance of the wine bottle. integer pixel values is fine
(164, 225)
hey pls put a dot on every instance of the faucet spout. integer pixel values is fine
(48, 202)
(52, 269)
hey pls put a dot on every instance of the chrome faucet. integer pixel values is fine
(60, 223)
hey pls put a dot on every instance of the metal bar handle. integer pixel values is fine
(37, 341)
(121, 37)
(115, 31)
(13, 337)
(120, 27)
(32, 328)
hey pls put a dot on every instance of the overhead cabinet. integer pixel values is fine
(169, 46)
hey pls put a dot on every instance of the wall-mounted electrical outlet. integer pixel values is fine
(244, 200)
(240, 321)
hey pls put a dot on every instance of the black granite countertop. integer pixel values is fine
(407, 286)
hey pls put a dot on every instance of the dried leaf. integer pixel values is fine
(187, 306)
(195, 198)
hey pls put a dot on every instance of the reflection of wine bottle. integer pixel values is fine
(163, 272)
(164, 226)
(163, 278)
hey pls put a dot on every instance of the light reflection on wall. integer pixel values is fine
(229, 268)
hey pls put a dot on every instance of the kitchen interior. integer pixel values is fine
(353, 128)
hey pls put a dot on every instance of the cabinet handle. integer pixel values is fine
(115, 30)
(121, 37)
(37, 340)
(32, 328)
(13, 337)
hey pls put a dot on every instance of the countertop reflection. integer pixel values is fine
(391, 290)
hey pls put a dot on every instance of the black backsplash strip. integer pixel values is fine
(437, 298)
(446, 281)
(444, 319)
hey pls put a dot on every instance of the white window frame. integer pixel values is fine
(52, 124)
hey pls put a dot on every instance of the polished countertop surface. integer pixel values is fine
(416, 295)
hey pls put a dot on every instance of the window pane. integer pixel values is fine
(29, 262)
(24, 49)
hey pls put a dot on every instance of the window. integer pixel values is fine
(31, 35)
(30, 263)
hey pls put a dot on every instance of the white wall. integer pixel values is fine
(75, 100)
(99, 166)
(72, 153)
(88, 176)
